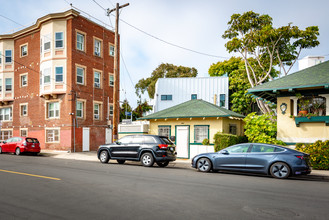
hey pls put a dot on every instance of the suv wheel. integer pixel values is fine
(104, 156)
(147, 160)
(163, 164)
(121, 161)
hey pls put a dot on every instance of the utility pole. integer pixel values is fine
(116, 104)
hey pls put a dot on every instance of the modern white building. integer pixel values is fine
(173, 91)
(309, 61)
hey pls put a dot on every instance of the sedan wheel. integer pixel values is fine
(204, 165)
(147, 160)
(0, 150)
(18, 151)
(280, 170)
(104, 156)
(163, 164)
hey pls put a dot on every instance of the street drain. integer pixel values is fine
(266, 212)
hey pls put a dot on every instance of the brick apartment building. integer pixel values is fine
(62, 64)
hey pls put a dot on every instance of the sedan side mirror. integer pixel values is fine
(224, 152)
(4, 142)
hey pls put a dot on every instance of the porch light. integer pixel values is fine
(283, 108)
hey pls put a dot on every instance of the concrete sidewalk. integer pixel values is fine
(181, 163)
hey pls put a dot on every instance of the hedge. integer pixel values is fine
(222, 140)
(319, 153)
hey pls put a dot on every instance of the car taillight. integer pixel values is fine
(163, 146)
(300, 157)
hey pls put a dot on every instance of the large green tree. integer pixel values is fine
(238, 83)
(163, 71)
(253, 36)
(240, 101)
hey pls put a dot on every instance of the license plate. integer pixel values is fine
(33, 145)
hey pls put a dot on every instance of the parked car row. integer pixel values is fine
(277, 161)
(18, 145)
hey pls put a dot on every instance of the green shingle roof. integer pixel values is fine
(193, 109)
(314, 76)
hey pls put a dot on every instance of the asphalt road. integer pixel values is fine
(48, 188)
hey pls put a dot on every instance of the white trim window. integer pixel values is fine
(24, 110)
(97, 47)
(6, 114)
(53, 109)
(9, 84)
(112, 51)
(6, 134)
(24, 50)
(23, 80)
(52, 135)
(8, 56)
(0, 85)
(80, 41)
(97, 79)
(79, 112)
(0, 57)
(59, 40)
(46, 75)
(81, 75)
(96, 111)
(111, 79)
(23, 132)
(164, 130)
(200, 133)
(47, 42)
(59, 74)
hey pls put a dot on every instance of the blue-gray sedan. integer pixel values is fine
(277, 161)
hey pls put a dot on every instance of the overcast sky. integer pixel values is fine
(193, 24)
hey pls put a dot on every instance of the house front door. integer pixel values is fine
(182, 141)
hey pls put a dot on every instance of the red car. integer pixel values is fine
(18, 145)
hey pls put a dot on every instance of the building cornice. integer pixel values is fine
(35, 27)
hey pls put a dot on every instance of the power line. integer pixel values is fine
(124, 63)
(99, 5)
(164, 41)
(11, 20)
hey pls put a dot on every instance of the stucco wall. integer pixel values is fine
(215, 125)
(306, 133)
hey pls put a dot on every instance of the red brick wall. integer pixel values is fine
(36, 121)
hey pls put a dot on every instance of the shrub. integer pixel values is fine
(225, 140)
(319, 153)
(261, 129)
(205, 141)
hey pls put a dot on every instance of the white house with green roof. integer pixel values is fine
(193, 121)
(307, 90)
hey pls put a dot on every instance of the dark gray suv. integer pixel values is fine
(144, 148)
